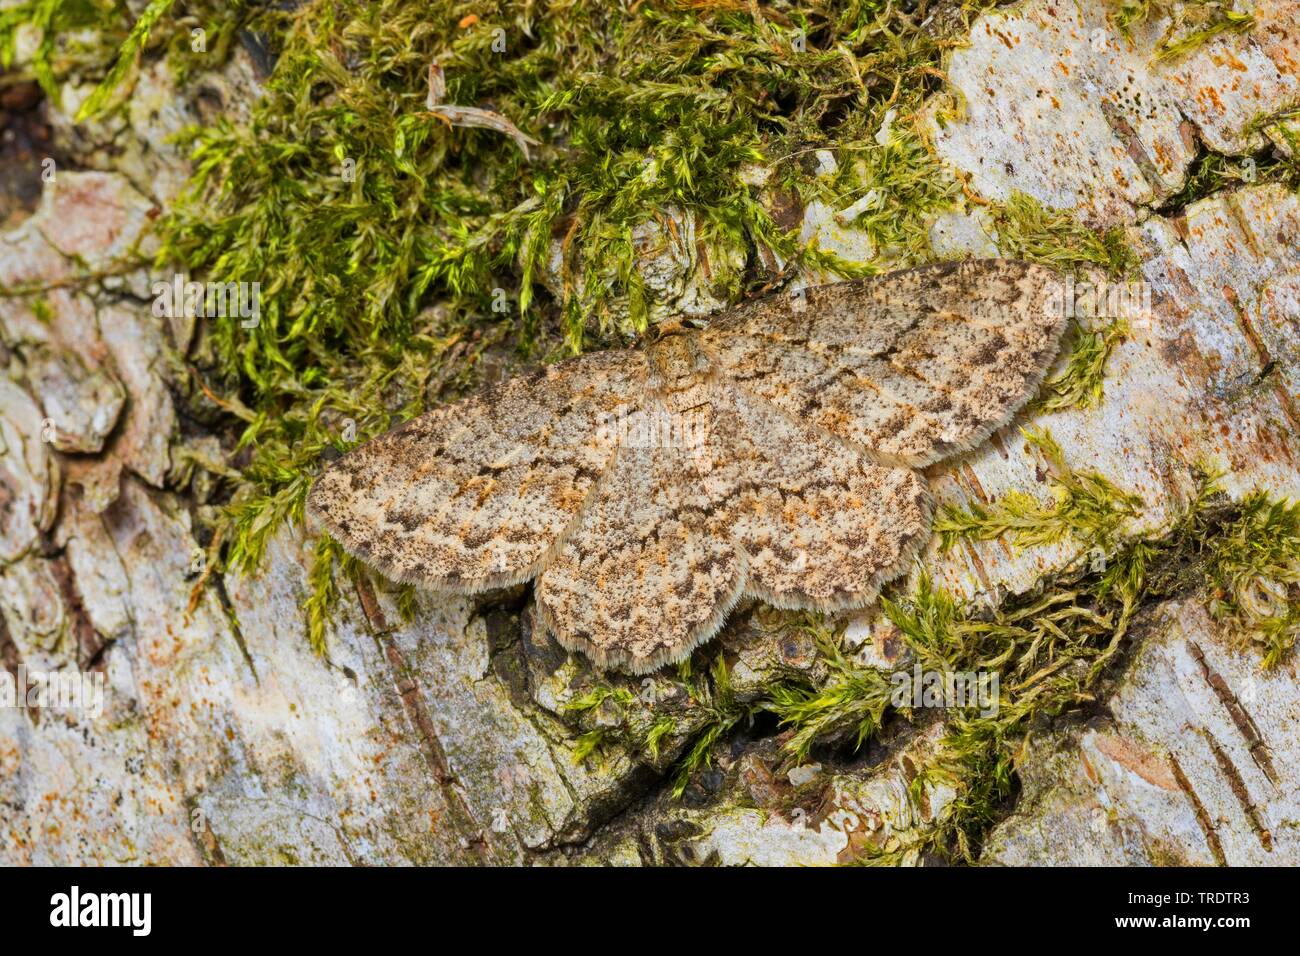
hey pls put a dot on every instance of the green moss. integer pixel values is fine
(41, 309)
(1197, 22)
(1254, 569)
(55, 19)
(1130, 13)
(1086, 506)
(85, 37)
(588, 744)
(723, 713)
(853, 699)
(1081, 384)
(1213, 172)
(660, 730)
(1051, 647)
(1191, 22)
(127, 58)
(1029, 230)
(902, 186)
(639, 112)
(1283, 125)
(324, 592)
(611, 714)
(595, 697)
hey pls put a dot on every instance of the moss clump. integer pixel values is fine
(1213, 172)
(54, 18)
(1281, 165)
(1047, 650)
(324, 590)
(722, 713)
(1087, 507)
(1052, 648)
(85, 36)
(127, 57)
(660, 730)
(1196, 23)
(588, 743)
(1029, 230)
(1081, 384)
(853, 699)
(1192, 23)
(612, 714)
(60, 48)
(323, 587)
(1254, 569)
(597, 696)
(901, 187)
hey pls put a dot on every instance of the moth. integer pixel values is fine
(772, 455)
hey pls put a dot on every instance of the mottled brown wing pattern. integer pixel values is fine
(648, 574)
(800, 490)
(475, 495)
(823, 526)
(912, 367)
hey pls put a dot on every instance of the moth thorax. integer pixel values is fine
(676, 363)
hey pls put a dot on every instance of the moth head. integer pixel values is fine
(676, 359)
